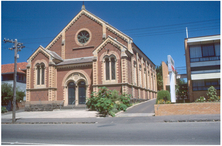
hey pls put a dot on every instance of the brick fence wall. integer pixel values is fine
(187, 109)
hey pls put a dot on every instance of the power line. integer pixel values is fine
(140, 35)
(171, 25)
(176, 29)
(138, 29)
(168, 33)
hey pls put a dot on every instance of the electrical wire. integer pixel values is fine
(171, 25)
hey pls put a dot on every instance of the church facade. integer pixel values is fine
(87, 54)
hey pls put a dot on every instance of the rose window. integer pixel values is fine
(83, 37)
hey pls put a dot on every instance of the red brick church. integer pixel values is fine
(87, 54)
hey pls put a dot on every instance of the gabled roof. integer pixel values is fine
(53, 54)
(9, 68)
(94, 18)
(112, 40)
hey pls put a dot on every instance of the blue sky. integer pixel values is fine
(158, 28)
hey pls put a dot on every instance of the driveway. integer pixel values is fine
(142, 109)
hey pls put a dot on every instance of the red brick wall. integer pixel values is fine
(39, 57)
(146, 94)
(129, 67)
(109, 33)
(39, 94)
(111, 48)
(118, 88)
(57, 46)
(99, 77)
(130, 90)
(61, 74)
(96, 38)
(136, 93)
(187, 109)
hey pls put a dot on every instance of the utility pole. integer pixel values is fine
(187, 32)
(17, 46)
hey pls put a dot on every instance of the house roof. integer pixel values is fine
(9, 68)
(53, 54)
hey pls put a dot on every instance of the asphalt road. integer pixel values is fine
(207, 133)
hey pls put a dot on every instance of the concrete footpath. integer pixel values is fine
(82, 116)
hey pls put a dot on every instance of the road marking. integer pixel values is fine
(24, 143)
(135, 115)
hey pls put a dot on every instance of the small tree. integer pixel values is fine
(212, 94)
(159, 77)
(7, 93)
(181, 88)
(163, 95)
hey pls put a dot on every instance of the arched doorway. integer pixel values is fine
(82, 92)
(71, 93)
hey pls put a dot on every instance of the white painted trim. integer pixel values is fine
(202, 39)
(205, 71)
(205, 63)
(205, 76)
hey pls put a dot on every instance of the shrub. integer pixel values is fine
(161, 101)
(168, 102)
(108, 101)
(212, 94)
(122, 107)
(104, 105)
(125, 99)
(92, 101)
(201, 99)
(164, 95)
(4, 109)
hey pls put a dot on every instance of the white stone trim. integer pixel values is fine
(205, 76)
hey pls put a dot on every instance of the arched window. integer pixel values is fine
(38, 74)
(135, 75)
(113, 66)
(140, 76)
(40, 71)
(107, 69)
(43, 73)
(110, 67)
(148, 76)
(144, 77)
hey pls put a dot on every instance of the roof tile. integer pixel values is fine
(9, 68)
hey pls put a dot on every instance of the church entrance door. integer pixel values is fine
(82, 92)
(71, 93)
